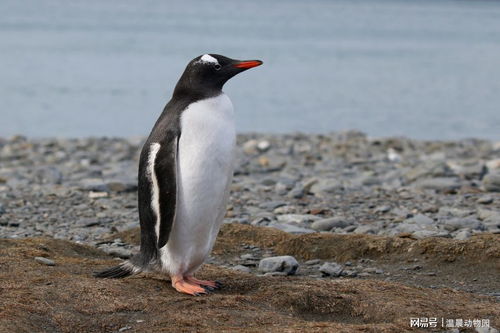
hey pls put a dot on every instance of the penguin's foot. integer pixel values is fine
(210, 285)
(183, 286)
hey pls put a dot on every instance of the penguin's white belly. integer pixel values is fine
(205, 167)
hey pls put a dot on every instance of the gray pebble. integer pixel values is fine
(331, 269)
(45, 261)
(329, 224)
(241, 268)
(285, 264)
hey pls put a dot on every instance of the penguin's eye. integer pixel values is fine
(217, 67)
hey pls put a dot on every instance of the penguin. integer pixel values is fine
(185, 170)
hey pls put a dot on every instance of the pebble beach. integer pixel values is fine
(84, 190)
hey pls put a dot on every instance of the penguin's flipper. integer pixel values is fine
(166, 175)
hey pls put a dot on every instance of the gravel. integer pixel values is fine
(85, 189)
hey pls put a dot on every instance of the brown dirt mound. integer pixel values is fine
(65, 298)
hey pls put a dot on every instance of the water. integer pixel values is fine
(424, 69)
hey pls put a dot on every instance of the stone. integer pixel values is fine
(292, 229)
(325, 186)
(485, 200)
(250, 147)
(366, 229)
(97, 195)
(285, 264)
(2, 209)
(241, 268)
(460, 223)
(382, 209)
(93, 184)
(312, 262)
(48, 175)
(491, 182)
(331, 269)
(263, 145)
(463, 234)
(297, 218)
(329, 224)
(119, 252)
(438, 184)
(272, 205)
(45, 261)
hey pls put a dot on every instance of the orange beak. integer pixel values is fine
(247, 64)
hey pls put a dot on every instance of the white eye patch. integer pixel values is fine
(207, 58)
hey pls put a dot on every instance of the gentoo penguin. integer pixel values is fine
(185, 170)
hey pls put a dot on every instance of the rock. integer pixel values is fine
(421, 234)
(87, 222)
(382, 209)
(45, 261)
(488, 215)
(272, 205)
(420, 219)
(491, 182)
(456, 212)
(463, 234)
(285, 264)
(263, 146)
(93, 184)
(297, 218)
(485, 200)
(241, 268)
(329, 224)
(48, 175)
(460, 223)
(438, 184)
(2, 209)
(366, 229)
(325, 186)
(250, 147)
(312, 262)
(292, 229)
(96, 195)
(428, 169)
(331, 269)
(119, 252)
(122, 185)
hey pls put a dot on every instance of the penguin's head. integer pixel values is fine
(211, 71)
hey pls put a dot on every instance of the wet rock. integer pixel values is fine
(329, 224)
(331, 269)
(45, 261)
(285, 264)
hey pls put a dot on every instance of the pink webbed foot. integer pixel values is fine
(183, 286)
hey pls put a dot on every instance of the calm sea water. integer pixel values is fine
(424, 69)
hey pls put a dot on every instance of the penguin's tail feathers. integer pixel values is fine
(117, 272)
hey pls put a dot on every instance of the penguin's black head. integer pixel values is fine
(209, 72)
